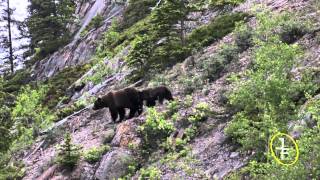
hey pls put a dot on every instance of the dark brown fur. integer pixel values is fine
(117, 101)
(160, 93)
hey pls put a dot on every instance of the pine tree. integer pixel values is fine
(47, 25)
(164, 44)
(6, 38)
(168, 26)
(69, 153)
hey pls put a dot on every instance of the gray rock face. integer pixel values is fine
(114, 164)
(108, 136)
(79, 51)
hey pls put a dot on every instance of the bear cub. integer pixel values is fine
(151, 95)
(117, 101)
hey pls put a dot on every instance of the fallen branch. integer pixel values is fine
(64, 120)
(36, 149)
(48, 173)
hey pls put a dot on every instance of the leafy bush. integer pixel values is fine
(152, 173)
(218, 28)
(69, 154)
(158, 80)
(192, 83)
(243, 36)
(172, 108)
(200, 113)
(29, 115)
(96, 22)
(213, 67)
(94, 154)
(155, 129)
(14, 170)
(224, 2)
(101, 71)
(264, 100)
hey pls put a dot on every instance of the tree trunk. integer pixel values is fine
(10, 38)
(182, 36)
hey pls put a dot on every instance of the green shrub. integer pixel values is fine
(155, 129)
(174, 144)
(29, 115)
(172, 108)
(14, 170)
(190, 84)
(69, 154)
(264, 97)
(190, 133)
(158, 80)
(94, 154)
(217, 29)
(224, 2)
(214, 66)
(188, 101)
(101, 71)
(200, 113)
(243, 36)
(135, 11)
(96, 22)
(152, 173)
(58, 85)
(13, 83)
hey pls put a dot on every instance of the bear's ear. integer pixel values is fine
(99, 99)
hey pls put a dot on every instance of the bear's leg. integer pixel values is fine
(132, 112)
(114, 114)
(168, 96)
(122, 113)
(161, 98)
(140, 108)
(151, 103)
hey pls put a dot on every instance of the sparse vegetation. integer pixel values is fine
(218, 28)
(95, 23)
(94, 154)
(274, 88)
(151, 173)
(69, 153)
(155, 129)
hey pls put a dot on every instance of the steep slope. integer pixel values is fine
(81, 49)
(208, 153)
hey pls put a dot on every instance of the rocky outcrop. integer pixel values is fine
(80, 50)
(126, 134)
(114, 164)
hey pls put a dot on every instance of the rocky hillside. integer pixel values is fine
(250, 70)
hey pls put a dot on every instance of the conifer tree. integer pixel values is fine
(6, 31)
(69, 153)
(47, 25)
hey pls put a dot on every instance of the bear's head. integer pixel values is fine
(98, 104)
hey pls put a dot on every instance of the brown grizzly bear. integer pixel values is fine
(117, 101)
(150, 95)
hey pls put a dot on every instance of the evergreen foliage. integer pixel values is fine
(47, 25)
(136, 10)
(94, 154)
(69, 153)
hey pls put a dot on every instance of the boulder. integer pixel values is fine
(126, 135)
(114, 164)
(108, 136)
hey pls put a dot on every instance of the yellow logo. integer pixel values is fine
(283, 152)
